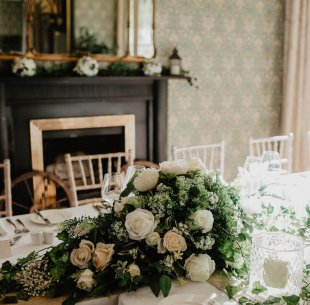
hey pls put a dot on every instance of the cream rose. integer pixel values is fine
(203, 219)
(196, 163)
(85, 280)
(182, 166)
(152, 239)
(80, 257)
(199, 268)
(147, 180)
(139, 224)
(174, 242)
(177, 167)
(102, 255)
(134, 270)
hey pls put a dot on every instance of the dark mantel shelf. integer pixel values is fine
(24, 99)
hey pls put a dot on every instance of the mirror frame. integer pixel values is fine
(31, 53)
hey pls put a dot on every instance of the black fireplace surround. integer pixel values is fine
(22, 100)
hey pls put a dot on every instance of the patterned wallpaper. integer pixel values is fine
(11, 17)
(235, 49)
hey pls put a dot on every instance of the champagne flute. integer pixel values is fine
(273, 160)
(111, 187)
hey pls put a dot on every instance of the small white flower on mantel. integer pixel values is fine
(24, 66)
(87, 66)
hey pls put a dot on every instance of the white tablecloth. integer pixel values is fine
(199, 292)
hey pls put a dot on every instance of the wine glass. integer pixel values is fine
(273, 160)
(131, 171)
(111, 187)
(252, 164)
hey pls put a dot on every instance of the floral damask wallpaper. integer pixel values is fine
(235, 49)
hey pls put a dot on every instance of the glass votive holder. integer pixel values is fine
(277, 263)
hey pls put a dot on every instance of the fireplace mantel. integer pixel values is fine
(22, 100)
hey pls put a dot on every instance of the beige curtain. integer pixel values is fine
(296, 82)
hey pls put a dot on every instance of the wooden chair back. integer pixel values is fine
(282, 144)
(212, 155)
(86, 172)
(6, 196)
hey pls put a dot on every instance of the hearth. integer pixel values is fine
(24, 100)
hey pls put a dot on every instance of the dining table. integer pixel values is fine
(211, 292)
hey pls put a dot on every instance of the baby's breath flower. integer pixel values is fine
(34, 278)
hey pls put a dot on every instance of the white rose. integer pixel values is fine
(196, 163)
(152, 239)
(199, 268)
(85, 280)
(87, 66)
(182, 166)
(118, 206)
(139, 224)
(134, 270)
(203, 219)
(177, 167)
(24, 66)
(147, 180)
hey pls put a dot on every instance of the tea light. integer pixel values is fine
(277, 262)
(275, 273)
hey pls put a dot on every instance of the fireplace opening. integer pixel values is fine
(81, 141)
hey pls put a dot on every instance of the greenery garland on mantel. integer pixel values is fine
(56, 69)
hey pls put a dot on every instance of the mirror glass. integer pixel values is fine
(79, 27)
(12, 26)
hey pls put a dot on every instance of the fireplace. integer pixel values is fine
(23, 100)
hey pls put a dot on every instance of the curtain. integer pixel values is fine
(296, 83)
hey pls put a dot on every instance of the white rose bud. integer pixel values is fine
(160, 246)
(199, 268)
(203, 219)
(152, 239)
(118, 205)
(139, 224)
(134, 270)
(85, 280)
(147, 180)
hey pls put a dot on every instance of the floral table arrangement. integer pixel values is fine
(177, 223)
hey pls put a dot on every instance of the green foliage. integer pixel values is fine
(258, 288)
(165, 284)
(88, 42)
(231, 290)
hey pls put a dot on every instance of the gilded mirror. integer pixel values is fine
(108, 30)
